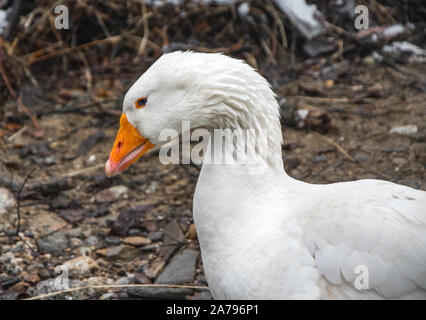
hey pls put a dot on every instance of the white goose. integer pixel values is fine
(269, 236)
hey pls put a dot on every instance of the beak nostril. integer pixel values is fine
(119, 144)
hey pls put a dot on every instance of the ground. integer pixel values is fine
(138, 225)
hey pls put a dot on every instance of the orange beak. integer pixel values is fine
(128, 147)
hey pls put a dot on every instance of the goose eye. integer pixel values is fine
(140, 103)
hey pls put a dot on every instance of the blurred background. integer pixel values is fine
(351, 85)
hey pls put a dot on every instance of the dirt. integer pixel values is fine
(355, 144)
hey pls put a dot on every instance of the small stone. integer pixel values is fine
(91, 241)
(153, 186)
(49, 160)
(150, 226)
(75, 233)
(112, 194)
(52, 285)
(155, 236)
(155, 269)
(30, 277)
(404, 130)
(320, 158)
(125, 280)
(9, 282)
(76, 242)
(7, 200)
(107, 296)
(121, 272)
(114, 251)
(172, 237)
(112, 240)
(141, 278)
(399, 161)
(43, 273)
(102, 252)
(191, 233)
(181, 268)
(134, 232)
(72, 215)
(136, 241)
(81, 266)
(201, 280)
(91, 159)
(54, 244)
(43, 223)
(129, 253)
(20, 287)
(123, 252)
(359, 157)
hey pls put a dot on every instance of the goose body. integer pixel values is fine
(263, 234)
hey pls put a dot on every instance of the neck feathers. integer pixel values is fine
(247, 104)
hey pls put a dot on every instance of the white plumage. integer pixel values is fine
(267, 235)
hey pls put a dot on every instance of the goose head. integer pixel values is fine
(208, 90)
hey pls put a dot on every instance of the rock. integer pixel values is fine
(114, 251)
(201, 281)
(112, 240)
(107, 296)
(150, 226)
(75, 243)
(181, 268)
(122, 272)
(191, 233)
(133, 232)
(360, 157)
(172, 239)
(19, 287)
(399, 161)
(54, 284)
(95, 281)
(136, 241)
(155, 269)
(7, 200)
(75, 233)
(320, 158)
(126, 280)
(72, 215)
(128, 218)
(42, 223)
(49, 160)
(123, 252)
(419, 150)
(30, 277)
(54, 244)
(141, 278)
(155, 236)
(404, 130)
(102, 252)
(91, 241)
(129, 253)
(9, 282)
(112, 194)
(80, 267)
(43, 273)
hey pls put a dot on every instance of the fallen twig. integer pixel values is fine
(115, 286)
(334, 144)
